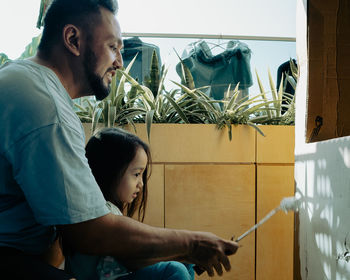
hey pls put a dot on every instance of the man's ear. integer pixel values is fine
(72, 39)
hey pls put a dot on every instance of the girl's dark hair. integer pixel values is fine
(82, 13)
(109, 153)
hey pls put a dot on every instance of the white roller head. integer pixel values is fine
(289, 204)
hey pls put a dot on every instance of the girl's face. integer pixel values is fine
(131, 183)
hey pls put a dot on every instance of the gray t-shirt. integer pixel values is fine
(45, 179)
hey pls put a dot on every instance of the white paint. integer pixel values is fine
(289, 204)
(322, 174)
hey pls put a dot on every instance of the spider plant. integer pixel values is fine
(186, 76)
(184, 104)
(230, 110)
(152, 81)
(233, 110)
(272, 113)
(162, 107)
(159, 105)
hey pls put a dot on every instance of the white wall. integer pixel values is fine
(322, 174)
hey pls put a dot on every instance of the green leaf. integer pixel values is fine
(3, 58)
(149, 120)
(262, 91)
(186, 77)
(256, 127)
(275, 95)
(112, 115)
(120, 89)
(177, 108)
(233, 98)
(152, 82)
(31, 49)
(43, 7)
(96, 118)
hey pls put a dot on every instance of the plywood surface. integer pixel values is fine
(275, 237)
(155, 203)
(199, 143)
(277, 146)
(215, 198)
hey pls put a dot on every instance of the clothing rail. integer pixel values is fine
(209, 36)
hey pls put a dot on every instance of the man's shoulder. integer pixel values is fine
(25, 72)
(33, 97)
(19, 77)
(24, 87)
(22, 66)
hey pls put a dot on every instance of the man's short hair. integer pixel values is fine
(81, 13)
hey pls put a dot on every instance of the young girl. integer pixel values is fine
(120, 162)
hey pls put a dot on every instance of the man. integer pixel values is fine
(45, 183)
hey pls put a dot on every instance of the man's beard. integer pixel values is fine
(95, 82)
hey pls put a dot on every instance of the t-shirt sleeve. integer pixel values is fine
(50, 166)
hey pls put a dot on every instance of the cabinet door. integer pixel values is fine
(274, 252)
(215, 198)
(155, 202)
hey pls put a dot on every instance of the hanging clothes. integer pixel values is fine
(232, 66)
(142, 65)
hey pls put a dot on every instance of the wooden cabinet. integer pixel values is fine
(202, 181)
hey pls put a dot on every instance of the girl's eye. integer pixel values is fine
(137, 174)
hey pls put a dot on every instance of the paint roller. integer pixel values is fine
(287, 204)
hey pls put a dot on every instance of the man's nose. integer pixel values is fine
(118, 62)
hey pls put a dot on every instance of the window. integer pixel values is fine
(267, 27)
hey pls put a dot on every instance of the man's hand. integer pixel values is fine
(210, 252)
(139, 245)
